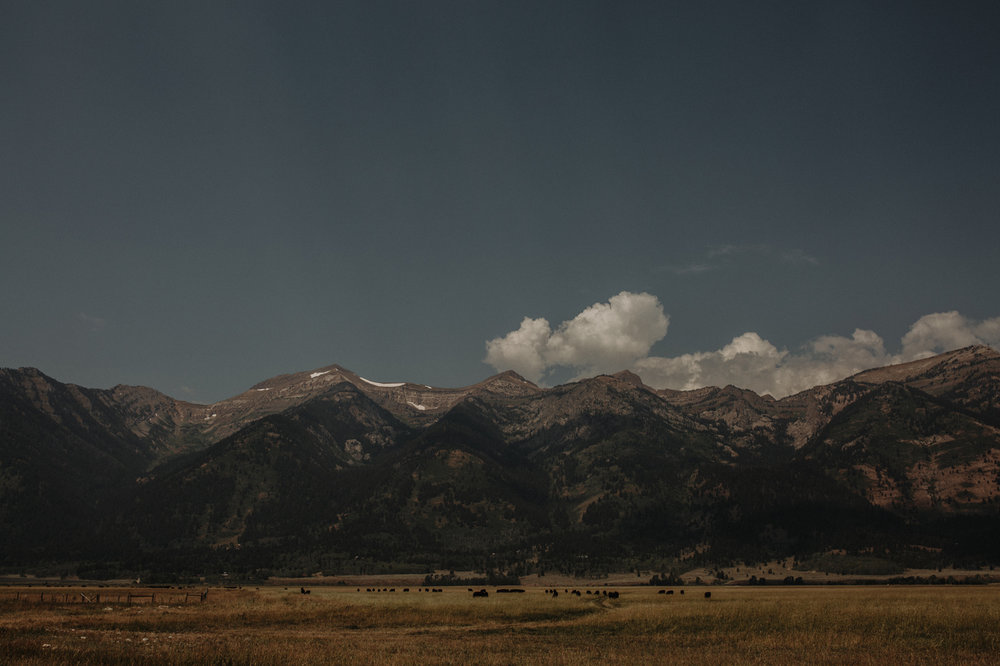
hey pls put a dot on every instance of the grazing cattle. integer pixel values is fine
(304, 590)
(406, 589)
(576, 592)
(481, 593)
(555, 593)
(670, 591)
(682, 591)
(612, 595)
(662, 592)
(708, 595)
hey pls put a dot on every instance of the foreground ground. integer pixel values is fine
(272, 625)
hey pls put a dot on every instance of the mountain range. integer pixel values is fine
(327, 470)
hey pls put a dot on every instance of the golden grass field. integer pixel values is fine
(274, 625)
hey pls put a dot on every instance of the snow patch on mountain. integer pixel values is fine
(383, 385)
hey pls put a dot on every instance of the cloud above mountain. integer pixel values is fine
(619, 334)
(605, 337)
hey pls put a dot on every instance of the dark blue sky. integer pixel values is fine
(196, 196)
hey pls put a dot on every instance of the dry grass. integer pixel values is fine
(334, 625)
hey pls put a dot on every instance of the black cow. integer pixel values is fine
(481, 593)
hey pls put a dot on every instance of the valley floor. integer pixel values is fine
(275, 625)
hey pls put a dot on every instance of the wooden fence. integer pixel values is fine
(121, 598)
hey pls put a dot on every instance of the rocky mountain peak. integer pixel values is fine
(629, 377)
(508, 383)
(948, 362)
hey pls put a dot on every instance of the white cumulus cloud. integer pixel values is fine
(752, 362)
(607, 337)
(522, 350)
(942, 331)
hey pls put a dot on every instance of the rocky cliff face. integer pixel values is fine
(916, 435)
(969, 377)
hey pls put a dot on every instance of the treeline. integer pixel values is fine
(491, 578)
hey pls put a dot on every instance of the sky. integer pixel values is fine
(196, 196)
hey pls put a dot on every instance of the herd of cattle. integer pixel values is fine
(405, 589)
(610, 594)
